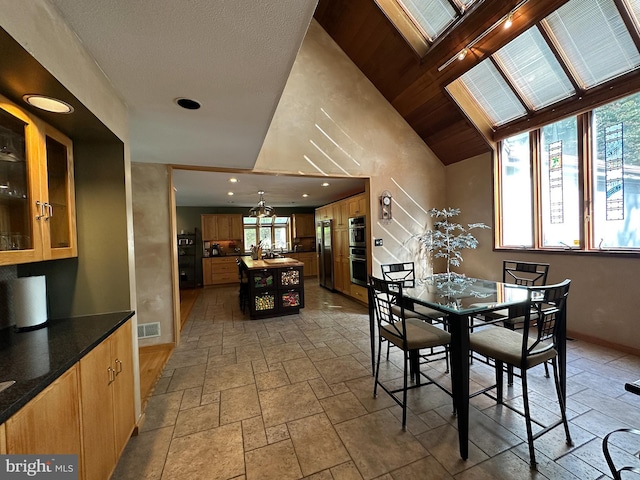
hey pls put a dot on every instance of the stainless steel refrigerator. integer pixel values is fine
(324, 231)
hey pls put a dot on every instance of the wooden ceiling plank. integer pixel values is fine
(415, 87)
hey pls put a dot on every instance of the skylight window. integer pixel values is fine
(581, 45)
(432, 17)
(485, 83)
(592, 36)
(634, 7)
(530, 64)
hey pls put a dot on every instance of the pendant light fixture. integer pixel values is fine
(262, 209)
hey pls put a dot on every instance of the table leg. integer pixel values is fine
(372, 335)
(562, 356)
(459, 329)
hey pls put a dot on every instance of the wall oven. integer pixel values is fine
(358, 265)
(357, 232)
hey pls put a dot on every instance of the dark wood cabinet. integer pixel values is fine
(276, 291)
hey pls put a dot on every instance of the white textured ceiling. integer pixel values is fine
(232, 56)
(197, 188)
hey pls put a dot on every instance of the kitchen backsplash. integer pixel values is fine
(7, 274)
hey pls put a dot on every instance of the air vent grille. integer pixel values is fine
(148, 330)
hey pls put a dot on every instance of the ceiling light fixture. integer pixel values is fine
(509, 21)
(262, 209)
(48, 104)
(325, 184)
(462, 54)
(230, 194)
(233, 180)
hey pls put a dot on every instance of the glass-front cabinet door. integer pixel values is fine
(19, 235)
(59, 209)
(37, 201)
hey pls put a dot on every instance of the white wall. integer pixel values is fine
(153, 239)
(332, 121)
(327, 93)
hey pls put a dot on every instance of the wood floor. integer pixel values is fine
(187, 299)
(152, 361)
(153, 358)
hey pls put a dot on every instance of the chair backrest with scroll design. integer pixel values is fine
(544, 316)
(524, 273)
(400, 272)
(387, 297)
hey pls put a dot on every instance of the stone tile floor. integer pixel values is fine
(291, 397)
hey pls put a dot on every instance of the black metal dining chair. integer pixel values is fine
(405, 272)
(628, 455)
(543, 315)
(243, 292)
(409, 334)
(515, 272)
(526, 274)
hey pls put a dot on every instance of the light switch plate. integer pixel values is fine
(378, 242)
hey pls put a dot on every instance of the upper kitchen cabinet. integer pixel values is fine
(304, 225)
(357, 206)
(222, 227)
(37, 198)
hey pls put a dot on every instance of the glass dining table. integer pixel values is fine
(458, 297)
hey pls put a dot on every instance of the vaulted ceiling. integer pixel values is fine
(413, 85)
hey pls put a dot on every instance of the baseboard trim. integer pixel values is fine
(603, 343)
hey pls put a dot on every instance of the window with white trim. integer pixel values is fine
(273, 232)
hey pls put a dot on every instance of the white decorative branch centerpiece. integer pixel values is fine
(447, 239)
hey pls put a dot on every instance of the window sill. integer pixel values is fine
(572, 251)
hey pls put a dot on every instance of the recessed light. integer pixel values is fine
(230, 194)
(48, 103)
(305, 195)
(188, 103)
(325, 184)
(233, 180)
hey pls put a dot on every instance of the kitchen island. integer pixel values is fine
(276, 286)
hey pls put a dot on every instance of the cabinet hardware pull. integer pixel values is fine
(40, 205)
(50, 208)
(111, 373)
(118, 367)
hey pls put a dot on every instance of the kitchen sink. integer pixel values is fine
(7, 384)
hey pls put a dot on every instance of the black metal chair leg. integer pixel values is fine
(527, 418)
(499, 381)
(561, 401)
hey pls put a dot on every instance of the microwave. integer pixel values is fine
(357, 232)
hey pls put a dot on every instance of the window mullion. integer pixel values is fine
(497, 197)
(513, 88)
(536, 204)
(561, 60)
(628, 22)
(584, 156)
(456, 7)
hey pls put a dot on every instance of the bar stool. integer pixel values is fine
(243, 293)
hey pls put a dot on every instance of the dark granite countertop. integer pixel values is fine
(36, 359)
